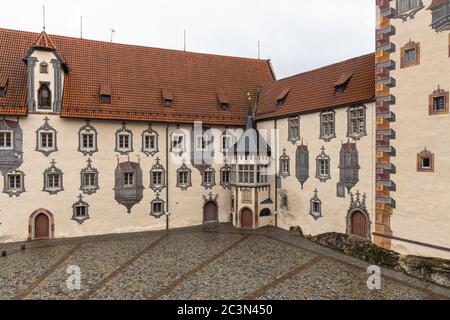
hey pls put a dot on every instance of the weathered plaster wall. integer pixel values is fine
(423, 199)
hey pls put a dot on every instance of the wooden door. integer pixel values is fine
(247, 219)
(210, 213)
(359, 225)
(41, 227)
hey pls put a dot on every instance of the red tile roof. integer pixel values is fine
(43, 42)
(315, 90)
(437, 3)
(136, 76)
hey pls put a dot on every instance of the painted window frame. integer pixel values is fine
(46, 128)
(425, 154)
(323, 158)
(285, 163)
(80, 204)
(330, 136)
(159, 169)
(14, 192)
(225, 147)
(411, 45)
(316, 214)
(294, 126)
(229, 170)
(150, 132)
(439, 93)
(87, 129)
(178, 142)
(184, 185)
(122, 132)
(91, 171)
(53, 170)
(361, 130)
(208, 184)
(157, 213)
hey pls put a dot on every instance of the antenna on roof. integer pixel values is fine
(43, 17)
(259, 50)
(81, 27)
(112, 34)
(184, 40)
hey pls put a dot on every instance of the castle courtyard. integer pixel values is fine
(208, 262)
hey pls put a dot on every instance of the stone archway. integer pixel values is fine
(41, 225)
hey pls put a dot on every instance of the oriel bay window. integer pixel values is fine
(128, 179)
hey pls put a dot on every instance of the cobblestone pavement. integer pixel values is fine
(210, 262)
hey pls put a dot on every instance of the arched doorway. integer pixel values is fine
(41, 225)
(210, 212)
(246, 218)
(359, 225)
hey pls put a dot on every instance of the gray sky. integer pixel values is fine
(298, 35)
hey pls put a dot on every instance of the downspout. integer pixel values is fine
(167, 176)
(276, 173)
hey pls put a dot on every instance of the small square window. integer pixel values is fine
(80, 211)
(43, 67)
(225, 106)
(168, 103)
(105, 99)
(425, 161)
(124, 141)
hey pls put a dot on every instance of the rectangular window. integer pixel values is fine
(14, 182)
(425, 161)
(128, 179)
(226, 143)
(208, 177)
(410, 56)
(201, 143)
(357, 122)
(89, 180)
(316, 207)
(157, 178)
(261, 174)
(285, 166)
(157, 207)
(324, 168)
(124, 141)
(407, 5)
(53, 181)
(105, 99)
(46, 140)
(88, 141)
(294, 129)
(177, 143)
(328, 127)
(80, 211)
(150, 142)
(6, 140)
(225, 177)
(2, 91)
(246, 174)
(183, 178)
(439, 104)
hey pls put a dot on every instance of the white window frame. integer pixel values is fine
(15, 187)
(178, 142)
(49, 178)
(87, 148)
(201, 143)
(47, 133)
(328, 124)
(11, 139)
(119, 136)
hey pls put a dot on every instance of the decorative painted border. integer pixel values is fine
(184, 168)
(313, 200)
(15, 192)
(322, 133)
(53, 170)
(150, 132)
(323, 156)
(125, 130)
(87, 128)
(79, 203)
(46, 127)
(163, 205)
(89, 169)
(356, 136)
(158, 167)
(285, 157)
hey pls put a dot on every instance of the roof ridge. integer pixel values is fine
(137, 46)
(321, 68)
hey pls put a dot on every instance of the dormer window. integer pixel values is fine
(45, 97)
(43, 67)
(3, 84)
(341, 84)
(281, 99)
(224, 101)
(167, 98)
(105, 99)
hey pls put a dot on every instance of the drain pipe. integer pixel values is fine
(276, 173)
(167, 176)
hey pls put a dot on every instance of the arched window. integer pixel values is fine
(265, 213)
(45, 97)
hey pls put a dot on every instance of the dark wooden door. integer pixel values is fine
(41, 227)
(210, 213)
(359, 225)
(246, 219)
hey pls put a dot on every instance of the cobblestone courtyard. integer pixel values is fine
(210, 262)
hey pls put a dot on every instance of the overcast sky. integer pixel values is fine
(297, 35)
